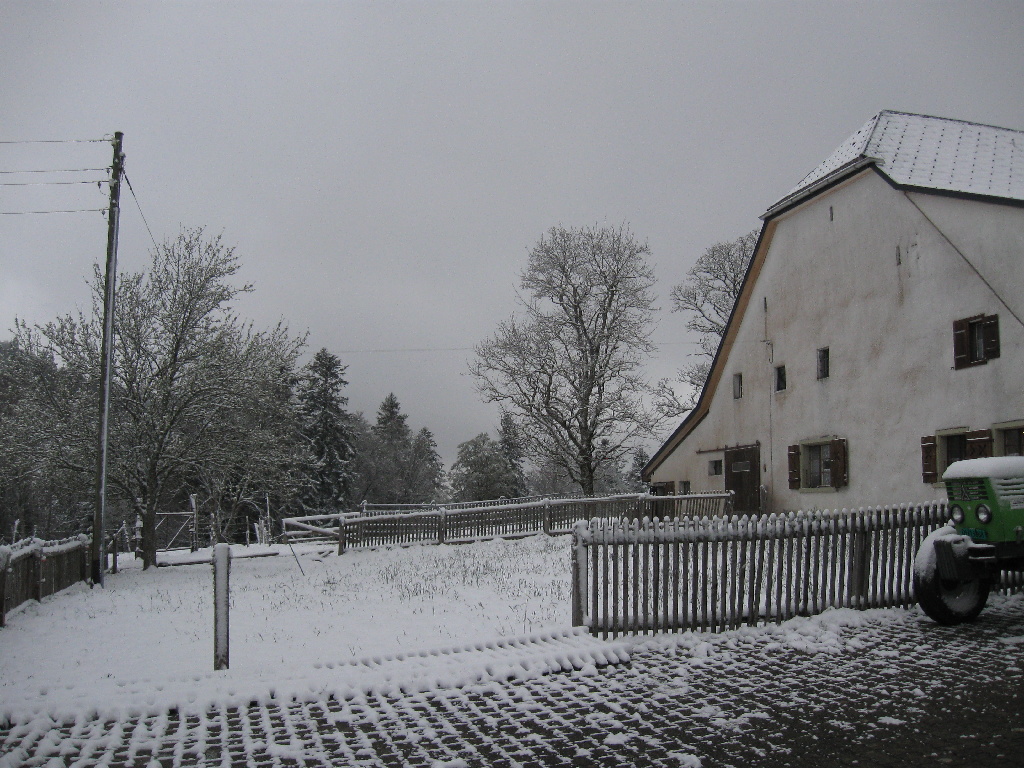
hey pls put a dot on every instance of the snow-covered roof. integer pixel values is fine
(928, 152)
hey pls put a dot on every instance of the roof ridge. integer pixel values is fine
(945, 120)
(926, 152)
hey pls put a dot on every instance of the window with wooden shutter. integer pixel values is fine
(929, 460)
(794, 467)
(840, 465)
(975, 340)
(990, 336)
(979, 444)
(961, 345)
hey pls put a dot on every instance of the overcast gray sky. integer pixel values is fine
(383, 169)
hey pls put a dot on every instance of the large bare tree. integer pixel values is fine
(569, 367)
(708, 295)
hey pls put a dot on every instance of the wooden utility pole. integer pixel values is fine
(98, 552)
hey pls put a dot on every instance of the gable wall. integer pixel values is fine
(880, 287)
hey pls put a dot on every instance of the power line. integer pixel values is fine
(136, 199)
(397, 350)
(425, 349)
(62, 170)
(58, 141)
(49, 183)
(65, 210)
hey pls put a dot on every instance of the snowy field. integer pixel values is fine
(150, 634)
(395, 638)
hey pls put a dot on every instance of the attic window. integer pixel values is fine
(780, 378)
(975, 340)
(823, 363)
(737, 386)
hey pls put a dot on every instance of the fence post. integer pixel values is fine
(221, 594)
(577, 586)
(193, 532)
(37, 580)
(138, 536)
(859, 565)
(5, 563)
(441, 526)
(342, 542)
(547, 516)
(113, 554)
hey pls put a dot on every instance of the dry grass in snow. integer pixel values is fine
(159, 624)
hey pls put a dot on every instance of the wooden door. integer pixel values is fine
(743, 478)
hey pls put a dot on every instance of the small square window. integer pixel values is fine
(737, 386)
(684, 487)
(823, 362)
(715, 467)
(780, 378)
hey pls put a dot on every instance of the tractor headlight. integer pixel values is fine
(957, 513)
(984, 514)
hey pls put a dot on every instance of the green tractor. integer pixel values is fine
(957, 565)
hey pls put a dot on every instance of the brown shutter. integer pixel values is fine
(990, 331)
(840, 466)
(961, 344)
(794, 467)
(979, 444)
(929, 460)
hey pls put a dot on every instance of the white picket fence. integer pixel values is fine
(718, 573)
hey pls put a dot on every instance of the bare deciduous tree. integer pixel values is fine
(709, 294)
(569, 369)
(199, 399)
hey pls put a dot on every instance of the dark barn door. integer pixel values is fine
(743, 477)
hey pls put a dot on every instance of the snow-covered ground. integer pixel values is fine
(290, 617)
(413, 645)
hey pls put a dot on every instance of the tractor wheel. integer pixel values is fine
(947, 602)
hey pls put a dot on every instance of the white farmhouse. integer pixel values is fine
(879, 333)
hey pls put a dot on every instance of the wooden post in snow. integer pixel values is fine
(193, 525)
(5, 563)
(221, 592)
(579, 579)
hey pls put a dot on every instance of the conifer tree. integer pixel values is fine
(325, 425)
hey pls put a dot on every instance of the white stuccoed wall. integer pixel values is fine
(880, 287)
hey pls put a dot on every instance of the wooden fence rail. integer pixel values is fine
(493, 521)
(33, 569)
(366, 508)
(633, 576)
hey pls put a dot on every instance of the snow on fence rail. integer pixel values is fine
(718, 573)
(33, 569)
(493, 521)
(367, 509)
